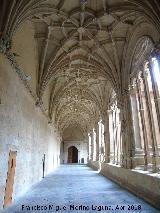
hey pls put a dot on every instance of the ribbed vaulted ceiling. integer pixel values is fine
(82, 47)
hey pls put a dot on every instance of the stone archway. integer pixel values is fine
(72, 154)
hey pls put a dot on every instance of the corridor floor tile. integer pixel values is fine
(78, 189)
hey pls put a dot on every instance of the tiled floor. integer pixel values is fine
(77, 188)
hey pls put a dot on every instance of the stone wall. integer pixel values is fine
(82, 150)
(144, 184)
(94, 164)
(23, 128)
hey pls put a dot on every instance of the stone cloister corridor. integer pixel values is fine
(80, 90)
(77, 188)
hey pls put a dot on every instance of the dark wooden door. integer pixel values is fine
(72, 154)
(10, 178)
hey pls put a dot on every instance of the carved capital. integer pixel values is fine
(133, 86)
(125, 94)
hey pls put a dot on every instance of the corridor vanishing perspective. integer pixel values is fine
(80, 86)
(77, 188)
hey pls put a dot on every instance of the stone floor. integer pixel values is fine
(77, 188)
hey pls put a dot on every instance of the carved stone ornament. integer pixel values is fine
(5, 46)
(39, 102)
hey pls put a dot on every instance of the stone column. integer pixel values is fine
(135, 117)
(111, 140)
(153, 134)
(113, 134)
(144, 129)
(128, 144)
(155, 90)
(92, 144)
(106, 137)
(97, 142)
(152, 122)
(123, 154)
(118, 137)
(88, 157)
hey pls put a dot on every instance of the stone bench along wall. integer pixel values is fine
(142, 184)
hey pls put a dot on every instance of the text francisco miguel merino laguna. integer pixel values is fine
(71, 207)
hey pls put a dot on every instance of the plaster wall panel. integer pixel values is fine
(23, 128)
(26, 49)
